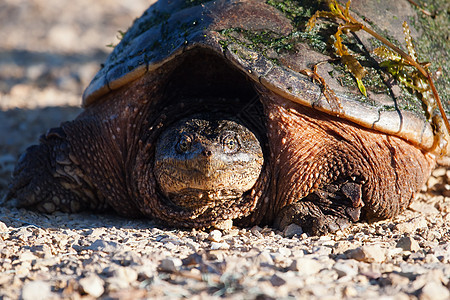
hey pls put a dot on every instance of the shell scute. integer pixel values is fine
(267, 41)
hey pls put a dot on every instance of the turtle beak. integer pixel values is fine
(208, 162)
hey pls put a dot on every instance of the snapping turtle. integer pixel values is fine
(202, 115)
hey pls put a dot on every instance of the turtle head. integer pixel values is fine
(204, 161)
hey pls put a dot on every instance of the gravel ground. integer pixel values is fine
(49, 50)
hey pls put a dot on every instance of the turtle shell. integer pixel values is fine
(267, 41)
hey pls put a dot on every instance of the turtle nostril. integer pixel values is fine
(207, 153)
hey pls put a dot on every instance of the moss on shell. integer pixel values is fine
(433, 44)
(297, 11)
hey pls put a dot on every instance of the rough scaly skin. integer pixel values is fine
(311, 151)
(111, 150)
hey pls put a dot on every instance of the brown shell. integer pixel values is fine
(270, 45)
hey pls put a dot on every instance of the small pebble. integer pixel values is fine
(27, 256)
(171, 264)
(284, 251)
(321, 250)
(342, 246)
(264, 258)
(407, 243)
(434, 291)
(350, 292)
(367, 253)
(276, 280)
(256, 230)
(411, 225)
(431, 258)
(305, 266)
(215, 236)
(105, 246)
(219, 246)
(224, 225)
(345, 268)
(291, 230)
(126, 274)
(36, 290)
(3, 227)
(92, 285)
(193, 259)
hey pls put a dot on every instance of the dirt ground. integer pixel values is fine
(49, 51)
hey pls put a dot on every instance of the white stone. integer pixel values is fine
(3, 227)
(264, 258)
(305, 266)
(345, 268)
(27, 256)
(126, 274)
(215, 236)
(434, 291)
(36, 290)
(224, 225)
(219, 246)
(105, 246)
(92, 285)
(368, 253)
(284, 251)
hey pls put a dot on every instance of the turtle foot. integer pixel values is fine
(325, 210)
(46, 179)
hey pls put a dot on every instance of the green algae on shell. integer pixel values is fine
(268, 43)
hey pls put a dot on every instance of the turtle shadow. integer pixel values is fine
(18, 218)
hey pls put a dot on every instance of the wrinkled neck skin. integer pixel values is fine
(134, 183)
(203, 186)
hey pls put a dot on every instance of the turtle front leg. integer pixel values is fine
(325, 210)
(48, 178)
(326, 168)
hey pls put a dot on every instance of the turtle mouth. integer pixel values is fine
(197, 198)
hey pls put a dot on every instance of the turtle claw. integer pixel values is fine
(40, 181)
(354, 213)
(326, 210)
(311, 219)
(31, 183)
(326, 224)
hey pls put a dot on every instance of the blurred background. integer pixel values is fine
(56, 44)
(49, 52)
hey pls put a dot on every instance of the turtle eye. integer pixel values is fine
(230, 144)
(184, 144)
